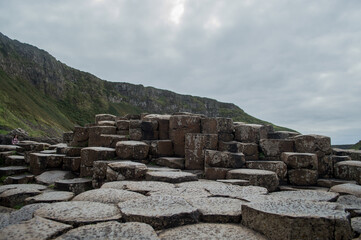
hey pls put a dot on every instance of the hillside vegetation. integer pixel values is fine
(46, 97)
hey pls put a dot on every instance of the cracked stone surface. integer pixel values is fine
(107, 195)
(211, 231)
(15, 194)
(351, 203)
(287, 219)
(218, 209)
(50, 197)
(143, 187)
(112, 230)
(239, 192)
(163, 211)
(79, 212)
(347, 188)
(35, 228)
(171, 177)
(186, 193)
(50, 177)
(311, 195)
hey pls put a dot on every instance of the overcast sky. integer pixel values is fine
(294, 63)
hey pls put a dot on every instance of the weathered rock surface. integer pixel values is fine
(347, 188)
(15, 194)
(238, 182)
(132, 150)
(256, 177)
(12, 170)
(91, 154)
(112, 230)
(19, 179)
(50, 197)
(300, 160)
(50, 177)
(208, 231)
(309, 195)
(15, 160)
(297, 220)
(303, 177)
(224, 159)
(279, 167)
(143, 187)
(107, 195)
(273, 148)
(215, 173)
(160, 212)
(356, 225)
(351, 203)
(251, 133)
(35, 228)
(330, 182)
(75, 185)
(127, 170)
(79, 212)
(218, 209)
(184, 192)
(172, 162)
(171, 177)
(348, 170)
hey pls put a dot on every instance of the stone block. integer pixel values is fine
(72, 164)
(321, 145)
(300, 160)
(72, 151)
(348, 170)
(135, 134)
(161, 148)
(149, 130)
(106, 123)
(171, 177)
(163, 124)
(303, 177)
(135, 124)
(15, 160)
(96, 131)
(171, 162)
(123, 133)
(195, 145)
(39, 162)
(252, 133)
(279, 167)
(275, 147)
(110, 140)
(214, 173)
(80, 137)
(68, 137)
(209, 126)
(224, 159)
(281, 135)
(104, 117)
(256, 177)
(225, 137)
(250, 150)
(132, 150)
(91, 154)
(122, 124)
(126, 170)
(225, 125)
(353, 154)
(132, 116)
(75, 185)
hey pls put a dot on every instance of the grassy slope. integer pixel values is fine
(357, 146)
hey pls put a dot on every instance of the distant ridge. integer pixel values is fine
(46, 97)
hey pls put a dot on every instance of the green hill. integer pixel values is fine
(357, 146)
(46, 97)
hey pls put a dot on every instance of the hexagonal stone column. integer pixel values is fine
(256, 177)
(162, 211)
(297, 220)
(132, 150)
(348, 170)
(91, 154)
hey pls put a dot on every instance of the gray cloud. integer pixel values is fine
(294, 63)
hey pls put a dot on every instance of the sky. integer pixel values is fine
(293, 63)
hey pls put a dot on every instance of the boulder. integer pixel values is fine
(132, 150)
(256, 177)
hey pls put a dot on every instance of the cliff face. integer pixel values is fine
(75, 96)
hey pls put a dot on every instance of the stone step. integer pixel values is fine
(107, 195)
(330, 182)
(278, 167)
(171, 162)
(256, 177)
(33, 146)
(143, 187)
(75, 185)
(3, 155)
(351, 203)
(238, 182)
(40, 162)
(12, 170)
(171, 177)
(110, 140)
(19, 179)
(125, 170)
(348, 170)
(15, 160)
(347, 188)
(91, 154)
(50, 177)
(132, 150)
(15, 194)
(250, 150)
(50, 197)
(10, 148)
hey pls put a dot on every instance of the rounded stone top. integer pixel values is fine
(22, 186)
(250, 171)
(55, 196)
(131, 143)
(160, 205)
(211, 231)
(112, 230)
(349, 163)
(138, 186)
(311, 195)
(79, 212)
(300, 208)
(107, 195)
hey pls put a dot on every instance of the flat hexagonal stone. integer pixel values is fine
(160, 212)
(23, 214)
(112, 230)
(186, 193)
(79, 212)
(238, 182)
(211, 231)
(218, 209)
(50, 177)
(310, 195)
(50, 197)
(347, 188)
(19, 179)
(107, 195)
(75, 185)
(286, 219)
(14, 194)
(5, 148)
(240, 192)
(161, 169)
(129, 169)
(15, 160)
(143, 187)
(35, 228)
(11, 170)
(171, 177)
(256, 177)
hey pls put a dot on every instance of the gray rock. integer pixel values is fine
(107, 195)
(351, 203)
(152, 168)
(15, 160)
(330, 182)
(75, 185)
(186, 193)
(91, 154)
(279, 167)
(347, 188)
(256, 177)
(15, 194)
(112, 230)
(50, 197)
(160, 212)
(310, 195)
(348, 170)
(218, 209)
(143, 187)
(6, 209)
(211, 231)
(50, 177)
(303, 177)
(273, 148)
(356, 225)
(297, 220)
(79, 212)
(23, 214)
(300, 160)
(171, 177)
(224, 159)
(234, 191)
(36, 228)
(132, 150)
(172, 162)
(238, 182)
(12, 170)
(19, 179)
(129, 170)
